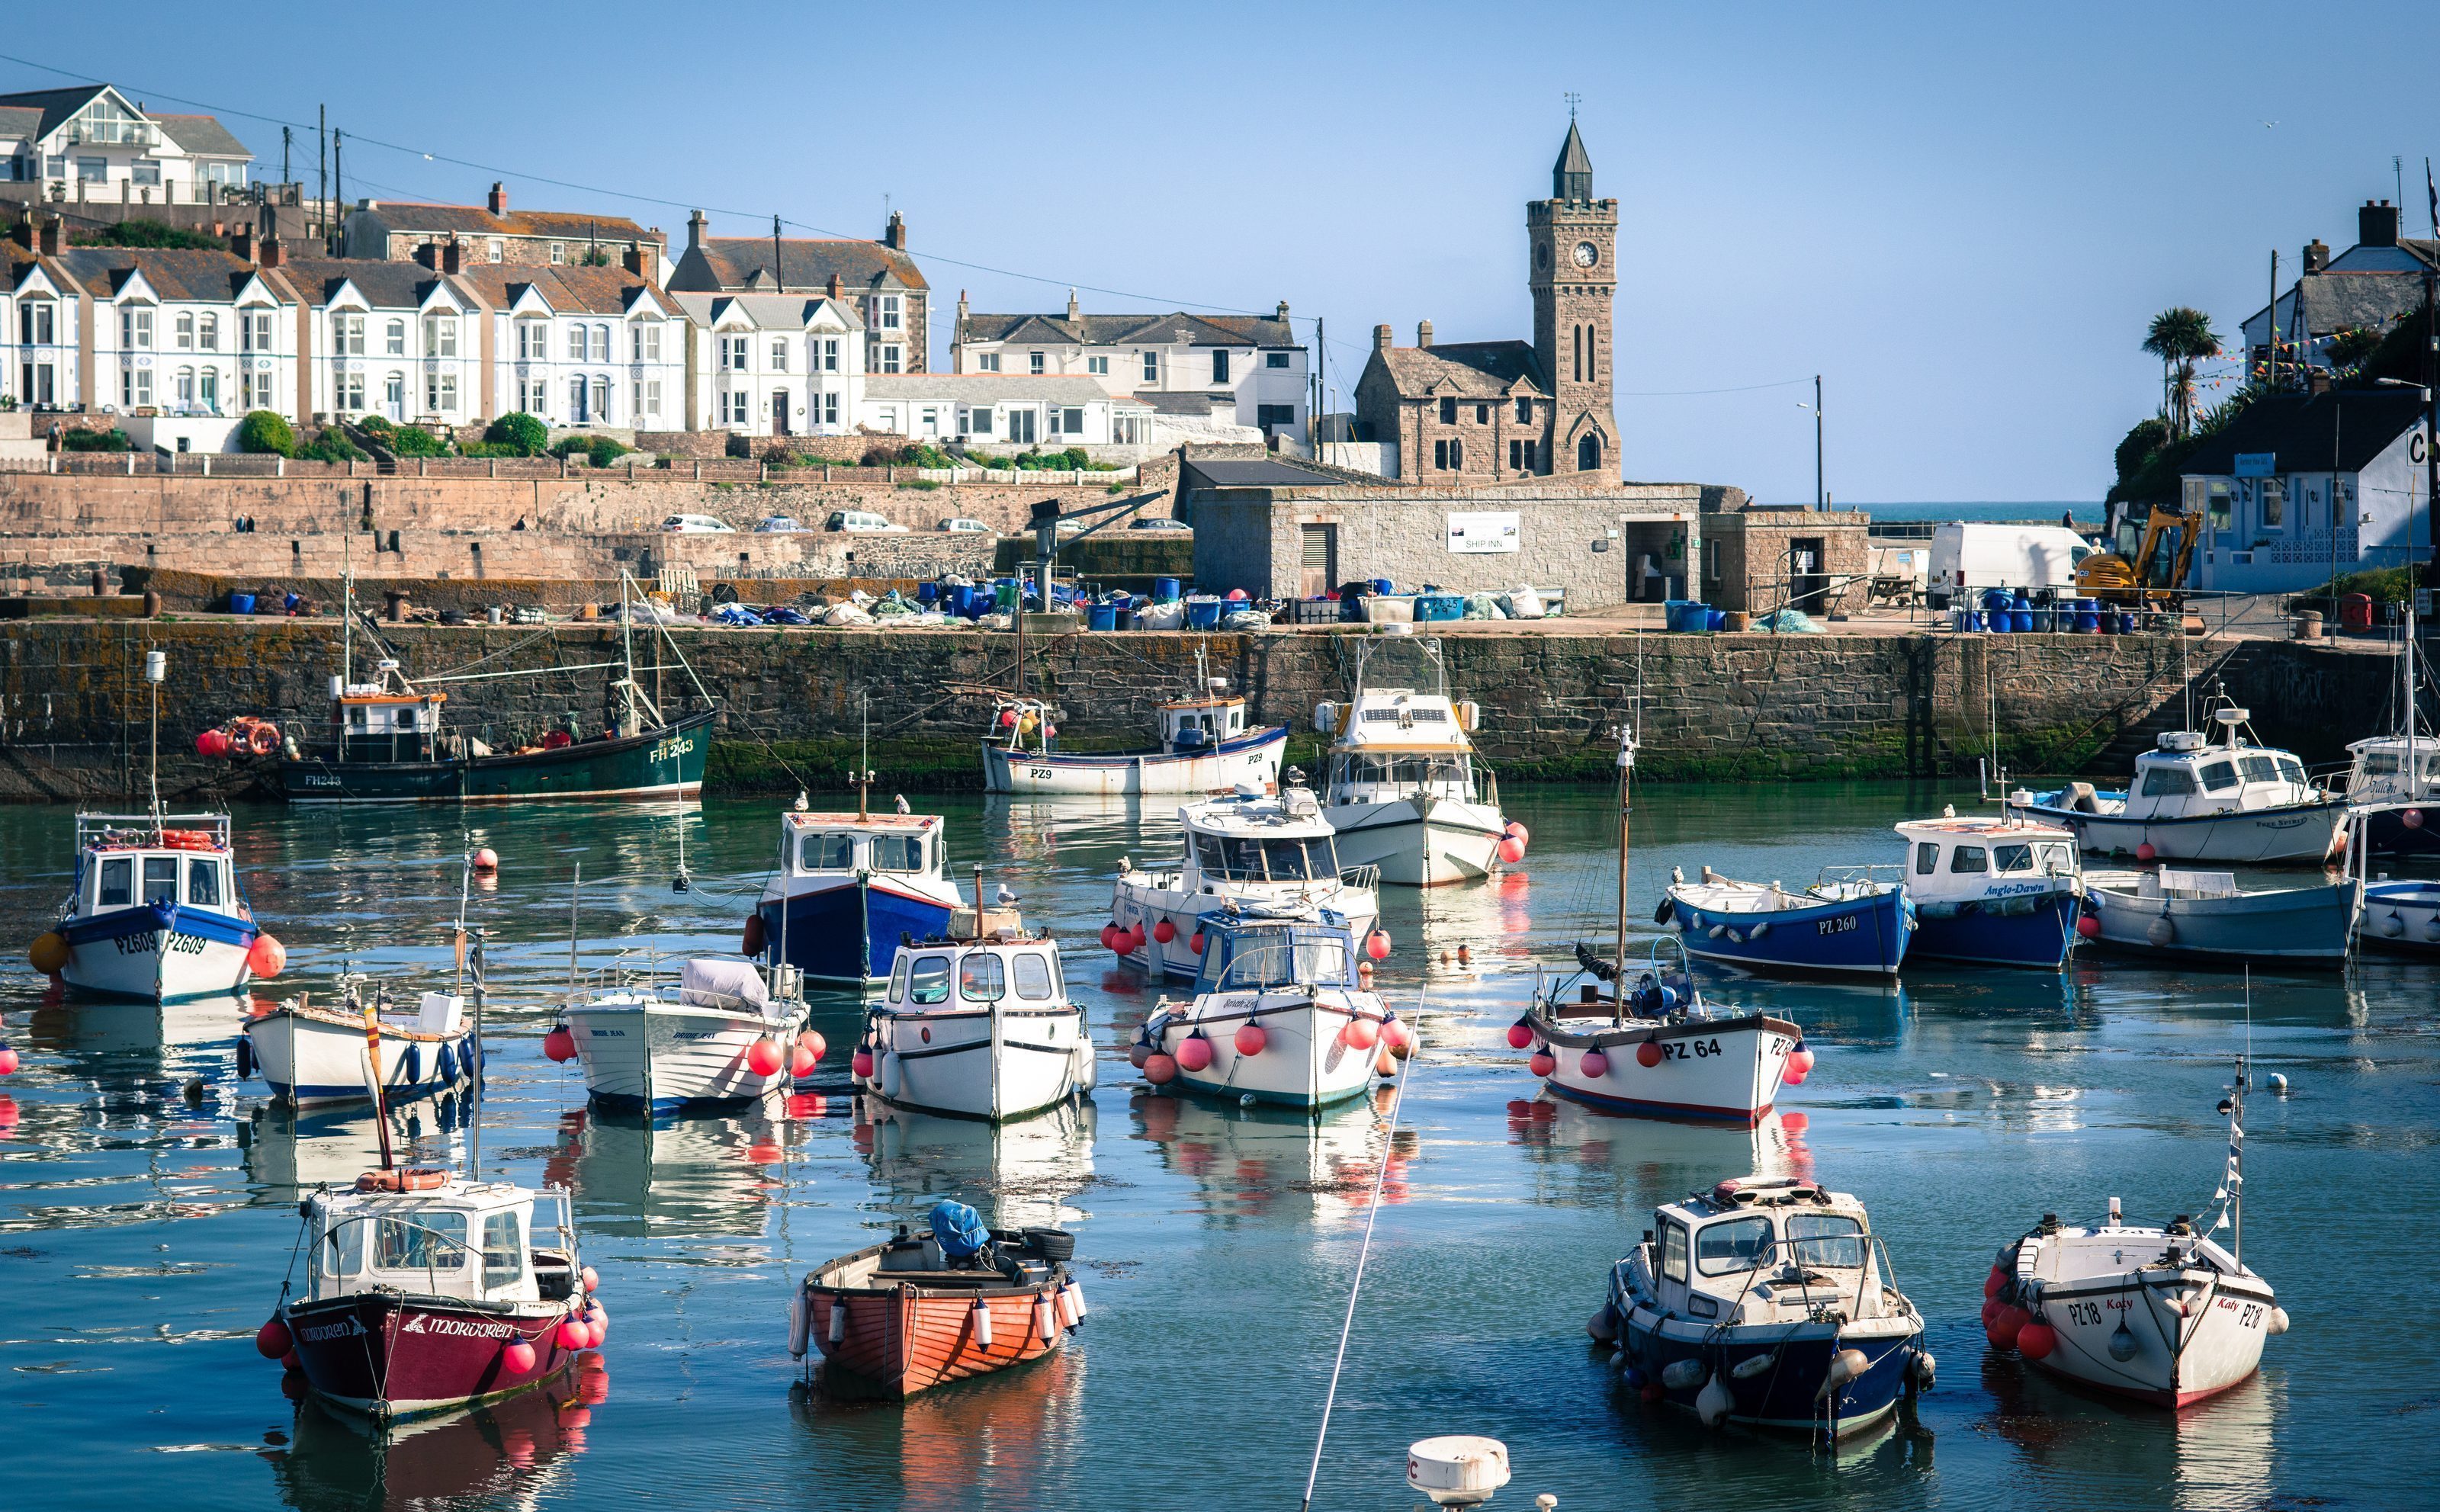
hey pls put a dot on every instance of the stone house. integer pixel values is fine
(395, 231)
(2302, 486)
(878, 280)
(91, 143)
(1251, 370)
(1762, 557)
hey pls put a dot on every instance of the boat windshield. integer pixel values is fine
(1257, 959)
(421, 1240)
(116, 888)
(898, 853)
(931, 984)
(2173, 782)
(982, 977)
(1034, 980)
(1826, 1241)
(160, 879)
(1251, 858)
(1740, 1244)
(831, 852)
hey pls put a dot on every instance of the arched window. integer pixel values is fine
(1592, 354)
(602, 394)
(1588, 454)
(185, 387)
(1576, 334)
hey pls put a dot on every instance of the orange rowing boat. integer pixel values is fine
(901, 1317)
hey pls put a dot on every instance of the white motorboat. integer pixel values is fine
(716, 1034)
(1402, 789)
(2167, 911)
(1281, 1014)
(848, 888)
(1254, 850)
(155, 913)
(2167, 1316)
(2193, 801)
(1205, 746)
(2401, 916)
(320, 1056)
(1994, 892)
(1765, 1302)
(2394, 779)
(976, 1028)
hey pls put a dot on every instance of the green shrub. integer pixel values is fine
(330, 446)
(150, 234)
(924, 483)
(375, 425)
(927, 454)
(113, 440)
(519, 430)
(267, 434)
(485, 448)
(600, 450)
(414, 440)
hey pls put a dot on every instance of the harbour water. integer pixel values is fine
(147, 1204)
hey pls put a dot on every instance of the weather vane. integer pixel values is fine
(1573, 97)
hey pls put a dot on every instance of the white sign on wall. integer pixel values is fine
(1475, 533)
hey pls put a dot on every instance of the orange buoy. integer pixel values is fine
(265, 956)
(49, 952)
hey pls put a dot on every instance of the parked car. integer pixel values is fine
(863, 522)
(778, 525)
(697, 525)
(1161, 524)
(966, 526)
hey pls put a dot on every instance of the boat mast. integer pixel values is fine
(474, 1080)
(864, 763)
(1625, 809)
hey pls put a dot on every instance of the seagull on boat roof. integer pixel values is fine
(802, 801)
(902, 803)
(1006, 898)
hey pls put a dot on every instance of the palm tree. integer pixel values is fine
(2180, 337)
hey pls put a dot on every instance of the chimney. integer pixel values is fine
(499, 203)
(831, 289)
(270, 254)
(893, 236)
(428, 254)
(1423, 333)
(1283, 315)
(2317, 381)
(2317, 254)
(241, 243)
(694, 230)
(2377, 223)
(451, 255)
(1380, 338)
(51, 236)
(1074, 310)
(23, 231)
(633, 259)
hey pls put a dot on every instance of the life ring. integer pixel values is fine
(186, 840)
(403, 1178)
(262, 737)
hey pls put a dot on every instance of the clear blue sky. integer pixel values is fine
(1963, 217)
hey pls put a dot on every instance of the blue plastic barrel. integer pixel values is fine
(1383, 586)
(2126, 622)
(241, 604)
(926, 592)
(2087, 617)
(1202, 613)
(1164, 590)
(1716, 619)
(1103, 616)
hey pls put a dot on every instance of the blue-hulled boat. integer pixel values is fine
(1848, 921)
(849, 887)
(1999, 891)
(2402, 916)
(1769, 1302)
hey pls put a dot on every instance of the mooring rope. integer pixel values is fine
(1371, 1216)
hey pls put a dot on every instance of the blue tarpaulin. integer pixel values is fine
(959, 1228)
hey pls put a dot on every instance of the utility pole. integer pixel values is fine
(339, 187)
(322, 175)
(779, 269)
(1820, 501)
(2271, 378)
(287, 139)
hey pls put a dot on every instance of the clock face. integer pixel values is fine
(1586, 254)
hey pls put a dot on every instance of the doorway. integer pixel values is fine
(1020, 427)
(779, 412)
(1808, 587)
(1318, 566)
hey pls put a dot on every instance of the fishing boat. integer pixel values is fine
(2193, 800)
(386, 741)
(977, 1027)
(1205, 746)
(1403, 788)
(2401, 916)
(2001, 892)
(1852, 919)
(849, 888)
(717, 1034)
(425, 1290)
(2167, 1316)
(157, 912)
(316, 1056)
(911, 1313)
(2393, 779)
(1648, 1043)
(1252, 848)
(1281, 1014)
(2169, 911)
(1769, 1302)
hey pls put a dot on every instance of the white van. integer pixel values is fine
(1966, 559)
(861, 522)
(697, 525)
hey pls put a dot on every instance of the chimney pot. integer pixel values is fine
(2317, 254)
(2377, 223)
(893, 236)
(499, 199)
(1380, 338)
(1423, 333)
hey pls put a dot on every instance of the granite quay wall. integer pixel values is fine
(73, 706)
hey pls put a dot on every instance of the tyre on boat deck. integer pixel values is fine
(1055, 1244)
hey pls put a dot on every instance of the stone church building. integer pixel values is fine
(1487, 411)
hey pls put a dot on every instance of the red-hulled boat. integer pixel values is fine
(904, 1316)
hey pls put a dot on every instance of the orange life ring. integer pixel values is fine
(405, 1179)
(263, 738)
(186, 840)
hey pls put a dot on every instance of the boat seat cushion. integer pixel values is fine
(723, 984)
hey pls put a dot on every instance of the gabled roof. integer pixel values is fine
(473, 221)
(1119, 329)
(569, 290)
(383, 285)
(2304, 431)
(22, 122)
(172, 273)
(1467, 369)
(200, 136)
(57, 105)
(729, 263)
(763, 312)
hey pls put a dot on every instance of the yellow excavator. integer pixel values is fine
(2156, 577)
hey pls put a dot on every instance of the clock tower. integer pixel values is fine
(1573, 242)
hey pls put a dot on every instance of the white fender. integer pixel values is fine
(2278, 1320)
(838, 1320)
(801, 1325)
(982, 1324)
(1714, 1403)
(1681, 1374)
(1748, 1368)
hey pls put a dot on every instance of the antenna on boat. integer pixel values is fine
(1626, 744)
(474, 1080)
(575, 886)
(864, 760)
(156, 668)
(373, 1074)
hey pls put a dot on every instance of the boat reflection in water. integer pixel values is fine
(1258, 1161)
(288, 1154)
(1660, 1156)
(2215, 1454)
(1475, 929)
(110, 1027)
(1020, 1175)
(1012, 1437)
(699, 1176)
(511, 1452)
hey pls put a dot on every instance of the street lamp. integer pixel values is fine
(1820, 501)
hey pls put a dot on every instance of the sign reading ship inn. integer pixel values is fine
(1481, 532)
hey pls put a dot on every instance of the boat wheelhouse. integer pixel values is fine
(2394, 780)
(1992, 890)
(978, 1028)
(659, 1044)
(1255, 850)
(2192, 799)
(1281, 1012)
(155, 913)
(1770, 1303)
(849, 887)
(1205, 746)
(1405, 787)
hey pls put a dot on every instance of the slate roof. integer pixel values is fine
(175, 274)
(2302, 430)
(52, 105)
(1229, 471)
(1119, 329)
(21, 121)
(764, 312)
(385, 284)
(731, 264)
(989, 387)
(1467, 369)
(478, 221)
(202, 135)
(1192, 401)
(590, 290)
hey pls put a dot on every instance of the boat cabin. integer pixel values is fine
(125, 861)
(490, 1241)
(388, 719)
(1985, 858)
(1748, 1251)
(1250, 952)
(1194, 724)
(2391, 770)
(2189, 777)
(973, 976)
(815, 844)
(1396, 743)
(1254, 837)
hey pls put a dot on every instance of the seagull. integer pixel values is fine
(2268, 124)
(902, 805)
(1005, 898)
(802, 803)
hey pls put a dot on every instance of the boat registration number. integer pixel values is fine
(144, 944)
(1840, 925)
(670, 749)
(1039, 772)
(1689, 1049)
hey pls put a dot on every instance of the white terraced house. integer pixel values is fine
(1237, 371)
(997, 412)
(91, 143)
(394, 339)
(582, 347)
(773, 364)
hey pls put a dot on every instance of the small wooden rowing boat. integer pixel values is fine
(901, 1317)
